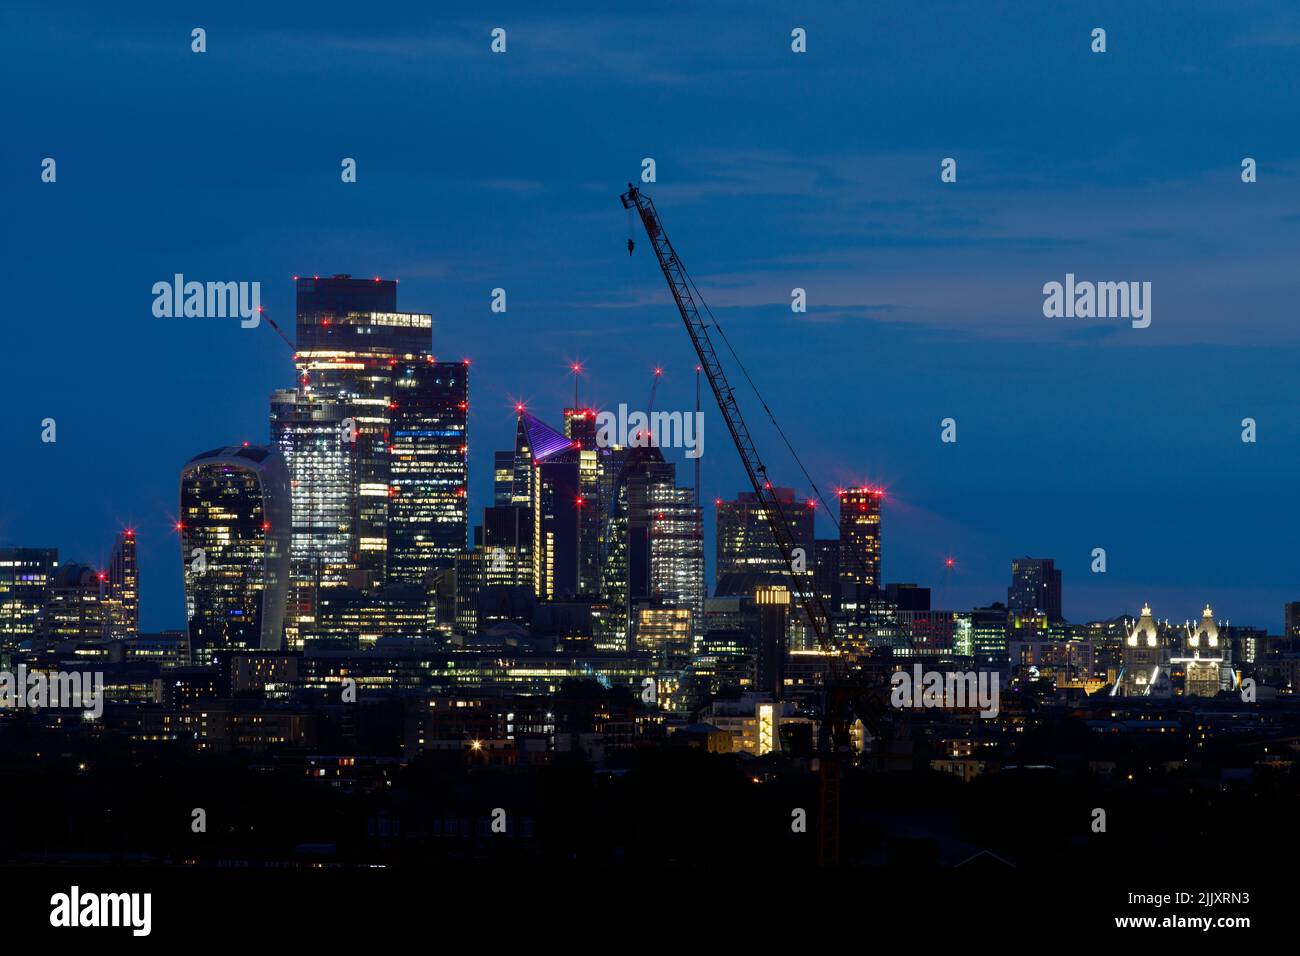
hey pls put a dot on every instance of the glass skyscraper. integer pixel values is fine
(369, 380)
(235, 521)
(123, 591)
(25, 578)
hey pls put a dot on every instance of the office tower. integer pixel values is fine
(25, 578)
(988, 636)
(580, 427)
(655, 546)
(1035, 586)
(351, 339)
(503, 478)
(1291, 620)
(522, 493)
(319, 453)
(860, 541)
(557, 504)
(664, 633)
(76, 610)
(428, 483)
(826, 572)
(123, 591)
(677, 551)
(744, 537)
(235, 531)
(773, 605)
(507, 543)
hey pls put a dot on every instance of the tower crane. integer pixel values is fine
(842, 698)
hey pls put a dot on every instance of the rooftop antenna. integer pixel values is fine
(576, 369)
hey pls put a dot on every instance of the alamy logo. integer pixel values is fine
(954, 689)
(36, 689)
(208, 300)
(661, 429)
(74, 908)
(1098, 300)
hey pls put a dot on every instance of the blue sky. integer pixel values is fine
(775, 170)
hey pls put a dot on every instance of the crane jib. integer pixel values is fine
(680, 286)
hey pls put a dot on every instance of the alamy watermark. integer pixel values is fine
(37, 689)
(1098, 300)
(75, 908)
(955, 689)
(661, 429)
(208, 300)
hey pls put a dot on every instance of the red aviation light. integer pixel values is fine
(581, 501)
(717, 502)
(180, 526)
(464, 406)
(519, 408)
(103, 576)
(130, 532)
(266, 526)
(465, 362)
(949, 562)
(460, 492)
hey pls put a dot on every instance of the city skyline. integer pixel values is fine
(939, 293)
(691, 450)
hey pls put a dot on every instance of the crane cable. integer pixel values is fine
(759, 395)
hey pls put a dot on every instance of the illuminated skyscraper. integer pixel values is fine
(123, 592)
(25, 578)
(428, 490)
(860, 541)
(367, 372)
(320, 455)
(557, 505)
(76, 610)
(503, 478)
(580, 428)
(235, 521)
(1035, 586)
(351, 338)
(656, 548)
(744, 538)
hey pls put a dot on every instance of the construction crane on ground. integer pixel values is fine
(843, 699)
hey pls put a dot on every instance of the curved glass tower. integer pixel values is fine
(235, 530)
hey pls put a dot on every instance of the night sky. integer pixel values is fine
(775, 170)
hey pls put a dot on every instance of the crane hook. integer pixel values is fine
(630, 246)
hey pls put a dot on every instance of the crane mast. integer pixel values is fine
(680, 285)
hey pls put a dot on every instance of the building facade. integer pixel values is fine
(235, 532)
